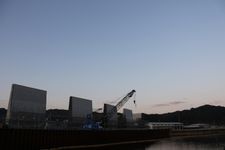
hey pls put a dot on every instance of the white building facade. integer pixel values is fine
(165, 125)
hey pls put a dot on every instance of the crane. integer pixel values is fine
(90, 124)
(118, 106)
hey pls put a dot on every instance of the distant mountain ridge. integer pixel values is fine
(208, 114)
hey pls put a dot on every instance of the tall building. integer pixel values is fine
(79, 109)
(26, 108)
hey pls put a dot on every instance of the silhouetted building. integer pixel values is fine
(79, 109)
(97, 116)
(113, 121)
(2, 115)
(57, 119)
(128, 115)
(26, 108)
(139, 120)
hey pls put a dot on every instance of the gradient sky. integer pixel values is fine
(171, 52)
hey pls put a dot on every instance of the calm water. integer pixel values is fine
(199, 143)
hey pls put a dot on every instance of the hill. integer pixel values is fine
(204, 114)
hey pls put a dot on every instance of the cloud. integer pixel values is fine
(160, 105)
(176, 102)
(169, 104)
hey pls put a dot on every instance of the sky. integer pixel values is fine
(171, 52)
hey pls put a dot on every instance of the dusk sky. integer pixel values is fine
(172, 52)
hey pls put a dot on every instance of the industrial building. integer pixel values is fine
(57, 119)
(128, 115)
(26, 108)
(113, 121)
(137, 116)
(165, 125)
(79, 109)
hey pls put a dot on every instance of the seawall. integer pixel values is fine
(44, 139)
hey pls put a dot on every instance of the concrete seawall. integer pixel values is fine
(66, 139)
(44, 139)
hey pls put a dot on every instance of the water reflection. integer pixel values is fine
(199, 143)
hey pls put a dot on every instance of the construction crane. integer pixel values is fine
(118, 106)
(107, 116)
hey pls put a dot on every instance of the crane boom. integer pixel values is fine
(119, 105)
(90, 124)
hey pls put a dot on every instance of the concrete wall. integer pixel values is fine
(79, 109)
(11, 139)
(127, 113)
(107, 109)
(26, 99)
(112, 122)
(26, 106)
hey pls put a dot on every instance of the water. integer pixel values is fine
(197, 143)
